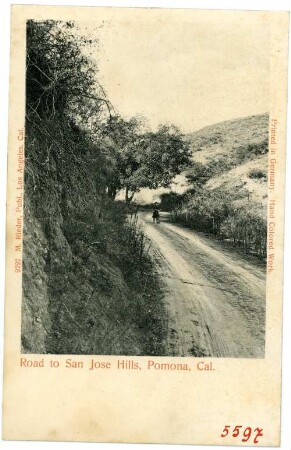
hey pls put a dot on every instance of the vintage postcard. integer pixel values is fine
(145, 219)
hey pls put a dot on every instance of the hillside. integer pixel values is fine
(237, 139)
(236, 154)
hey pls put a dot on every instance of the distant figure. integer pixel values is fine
(156, 216)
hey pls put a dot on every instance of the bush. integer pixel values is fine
(198, 173)
(257, 174)
(246, 229)
(215, 213)
(247, 151)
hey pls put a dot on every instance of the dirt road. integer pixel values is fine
(215, 299)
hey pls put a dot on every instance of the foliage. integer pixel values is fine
(251, 150)
(258, 174)
(170, 201)
(246, 228)
(216, 212)
(144, 158)
(60, 79)
(163, 155)
(198, 173)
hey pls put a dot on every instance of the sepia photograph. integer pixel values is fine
(145, 225)
(146, 186)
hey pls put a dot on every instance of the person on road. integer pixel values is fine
(156, 216)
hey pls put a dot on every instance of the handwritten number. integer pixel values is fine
(236, 430)
(259, 434)
(226, 429)
(247, 433)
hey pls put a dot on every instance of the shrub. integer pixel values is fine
(215, 213)
(247, 151)
(257, 174)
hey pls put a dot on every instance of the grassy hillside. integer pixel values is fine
(236, 140)
(236, 153)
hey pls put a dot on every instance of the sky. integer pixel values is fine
(186, 67)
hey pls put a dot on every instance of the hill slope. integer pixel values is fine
(236, 154)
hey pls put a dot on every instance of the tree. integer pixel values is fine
(123, 137)
(145, 158)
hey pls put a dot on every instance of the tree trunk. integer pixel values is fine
(112, 192)
(128, 197)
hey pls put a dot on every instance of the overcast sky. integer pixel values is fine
(190, 68)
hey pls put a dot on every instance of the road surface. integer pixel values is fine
(215, 300)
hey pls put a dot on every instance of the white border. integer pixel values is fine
(4, 83)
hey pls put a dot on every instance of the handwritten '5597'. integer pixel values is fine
(243, 434)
